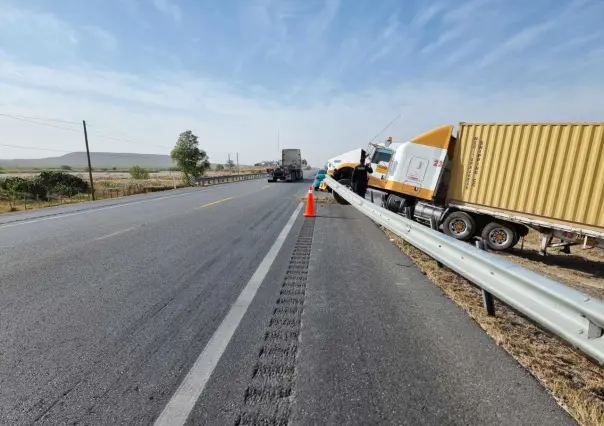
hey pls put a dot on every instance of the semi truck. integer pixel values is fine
(495, 181)
(290, 167)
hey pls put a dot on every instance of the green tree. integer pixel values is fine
(219, 167)
(65, 167)
(304, 163)
(230, 164)
(192, 161)
(138, 172)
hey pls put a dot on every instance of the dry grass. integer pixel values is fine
(574, 380)
(21, 205)
(107, 188)
(583, 269)
(242, 170)
(322, 198)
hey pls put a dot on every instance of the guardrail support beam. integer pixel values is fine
(434, 226)
(487, 298)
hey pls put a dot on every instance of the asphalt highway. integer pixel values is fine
(225, 306)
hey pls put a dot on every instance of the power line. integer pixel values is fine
(101, 135)
(115, 138)
(56, 120)
(37, 122)
(35, 148)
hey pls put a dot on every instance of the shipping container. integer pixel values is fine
(551, 172)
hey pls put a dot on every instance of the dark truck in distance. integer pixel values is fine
(290, 168)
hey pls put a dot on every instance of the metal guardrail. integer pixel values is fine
(570, 314)
(213, 180)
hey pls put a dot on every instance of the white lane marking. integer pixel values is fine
(182, 402)
(92, 210)
(113, 234)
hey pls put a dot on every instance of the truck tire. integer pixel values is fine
(337, 197)
(499, 236)
(459, 225)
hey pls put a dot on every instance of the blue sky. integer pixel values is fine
(327, 74)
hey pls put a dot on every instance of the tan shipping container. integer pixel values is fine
(548, 171)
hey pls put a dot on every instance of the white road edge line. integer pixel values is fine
(184, 399)
(113, 234)
(92, 210)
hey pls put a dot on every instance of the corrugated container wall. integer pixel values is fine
(553, 171)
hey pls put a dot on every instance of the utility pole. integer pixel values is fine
(88, 155)
(237, 163)
(278, 143)
(229, 163)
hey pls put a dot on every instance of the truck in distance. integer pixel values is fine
(290, 167)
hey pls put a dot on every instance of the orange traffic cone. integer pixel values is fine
(310, 204)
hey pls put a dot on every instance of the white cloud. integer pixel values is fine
(426, 15)
(170, 8)
(103, 37)
(27, 27)
(443, 39)
(336, 103)
(319, 24)
(154, 111)
(517, 42)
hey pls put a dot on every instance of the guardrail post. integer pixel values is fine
(434, 226)
(487, 298)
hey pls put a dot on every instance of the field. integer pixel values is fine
(582, 269)
(113, 184)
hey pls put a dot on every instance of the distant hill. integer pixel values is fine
(98, 160)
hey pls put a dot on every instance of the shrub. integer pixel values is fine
(62, 183)
(138, 172)
(65, 167)
(48, 182)
(219, 167)
(31, 187)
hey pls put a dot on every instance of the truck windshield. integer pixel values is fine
(381, 155)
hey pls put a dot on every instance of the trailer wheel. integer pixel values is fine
(499, 236)
(337, 197)
(459, 225)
